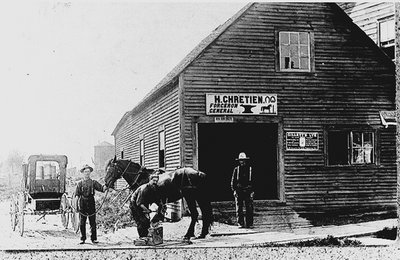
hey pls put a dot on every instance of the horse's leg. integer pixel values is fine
(193, 213)
(206, 211)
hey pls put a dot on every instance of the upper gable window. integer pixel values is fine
(386, 36)
(294, 51)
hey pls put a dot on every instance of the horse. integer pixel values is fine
(185, 182)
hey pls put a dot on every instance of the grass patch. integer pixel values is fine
(328, 241)
(387, 233)
(348, 218)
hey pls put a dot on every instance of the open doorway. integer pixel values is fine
(220, 144)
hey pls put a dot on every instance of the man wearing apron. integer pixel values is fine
(142, 198)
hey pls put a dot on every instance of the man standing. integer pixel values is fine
(141, 200)
(242, 187)
(85, 192)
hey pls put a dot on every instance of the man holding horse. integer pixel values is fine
(141, 200)
(85, 192)
(242, 187)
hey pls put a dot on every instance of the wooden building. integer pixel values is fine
(297, 86)
(376, 19)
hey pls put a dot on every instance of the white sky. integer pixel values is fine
(69, 70)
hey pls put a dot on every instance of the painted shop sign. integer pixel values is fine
(241, 104)
(301, 141)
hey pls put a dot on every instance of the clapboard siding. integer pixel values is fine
(161, 112)
(366, 15)
(351, 83)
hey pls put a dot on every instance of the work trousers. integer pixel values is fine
(244, 196)
(93, 230)
(142, 220)
(87, 208)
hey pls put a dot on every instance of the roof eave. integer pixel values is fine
(192, 56)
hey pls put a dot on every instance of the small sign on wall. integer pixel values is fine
(302, 141)
(223, 119)
(241, 104)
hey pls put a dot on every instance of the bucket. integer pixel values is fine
(174, 211)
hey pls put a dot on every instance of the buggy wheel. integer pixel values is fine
(20, 214)
(13, 213)
(64, 208)
(75, 218)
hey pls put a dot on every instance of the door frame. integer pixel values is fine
(279, 152)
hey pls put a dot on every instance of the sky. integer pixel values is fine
(69, 70)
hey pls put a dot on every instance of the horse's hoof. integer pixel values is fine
(201, 237)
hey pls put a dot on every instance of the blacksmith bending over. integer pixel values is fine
(85, 192)
(141, 200)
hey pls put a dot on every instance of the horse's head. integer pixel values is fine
(132, 172)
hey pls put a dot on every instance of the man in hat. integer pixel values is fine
(141, 200)
(242, 187)
(85, 192)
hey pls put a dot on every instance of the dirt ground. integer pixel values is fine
(50, 234)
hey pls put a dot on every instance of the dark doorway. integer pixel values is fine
(220, 144)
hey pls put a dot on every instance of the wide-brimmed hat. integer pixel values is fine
(86, 166)
(242, 156)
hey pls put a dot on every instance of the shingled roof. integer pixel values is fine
(172, 75)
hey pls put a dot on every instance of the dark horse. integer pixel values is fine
(184, 182)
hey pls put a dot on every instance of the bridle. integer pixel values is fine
(119, 170)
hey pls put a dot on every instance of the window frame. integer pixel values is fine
(311, 51)
(350, 147)
(141, 151)
(380, 22)
(122, 153)
(161, 152)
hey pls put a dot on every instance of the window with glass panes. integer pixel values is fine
(294, 51)
(387, 35)
(351, 147)
(161, 150)
(141, 152)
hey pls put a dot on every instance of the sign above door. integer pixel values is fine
(241, 104)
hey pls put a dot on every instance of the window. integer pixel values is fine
(386, 31)
(141, 152)
(161, 149)
(351, 147)
(47, 170)
(294, 51)
(122, 154)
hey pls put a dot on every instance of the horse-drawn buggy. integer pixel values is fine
(43, 192)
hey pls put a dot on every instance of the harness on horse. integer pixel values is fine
(190, 185)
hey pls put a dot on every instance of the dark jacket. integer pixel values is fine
(242, 178)
(146, 194)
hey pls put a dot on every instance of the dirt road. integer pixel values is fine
(59, 243)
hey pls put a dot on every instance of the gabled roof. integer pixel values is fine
(200, 48)
(171, 76)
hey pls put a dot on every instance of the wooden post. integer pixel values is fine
(397, 61)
